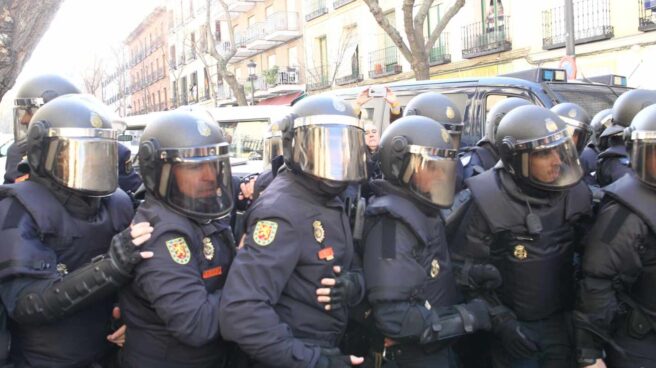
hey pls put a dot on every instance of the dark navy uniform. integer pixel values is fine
(15, 154)
(620, 270)
(612, 164)
(171, 309)
(537, 268)
(128, 179)
(478, 159)
(43, 240)
(295, 235)
(589, 163)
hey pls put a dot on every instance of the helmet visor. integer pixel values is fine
(22, 117)
(330, 151)
(554, 165)
(272, 148)
(579, 132)
(84, 164)
(199, 186)
(643, 160)
(430, 175)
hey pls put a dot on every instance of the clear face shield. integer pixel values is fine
(24, 108)
(643, 156)
(330, 147)
(198, 181)
(84, 160)
(272, 147)
(551, 163)
(579, 132)
(431, 174)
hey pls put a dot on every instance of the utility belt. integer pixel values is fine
(638, 323)
(394, 352)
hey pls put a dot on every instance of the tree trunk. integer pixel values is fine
(236, 88)
(22, 24)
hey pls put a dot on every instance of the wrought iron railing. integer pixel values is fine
(316, 8)
(318, 78)
(340, 3)
(486, 38)
(591, 23)
(384, 62)
(647, 16)
(439, 53)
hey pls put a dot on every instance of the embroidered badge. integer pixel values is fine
(435, 268)
(208, 248)
(520, 252)
(319, 233)
(264, 233)
(326, 254)
(179, 250)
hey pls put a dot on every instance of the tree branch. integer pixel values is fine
(437, 31)
(420, 18)
(377, 12)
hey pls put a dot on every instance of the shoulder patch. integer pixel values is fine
(179, 250)
(265, 232)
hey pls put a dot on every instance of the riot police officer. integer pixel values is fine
(30, 97)
(525, 221)
(408, 272)
(598, 124)
(171, 308)
(64, 216)
(272, 157)
(578, 123)
(613, 162)
(616, 301)
(484, 155)
(440, 108)
(285, 301)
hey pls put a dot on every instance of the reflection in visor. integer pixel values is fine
(579, 136)
(643, 160)
(272, 149)
(431, 178)
(87, 165)
(555, 166)
(201, 187)
(22, 117)
(333, 152)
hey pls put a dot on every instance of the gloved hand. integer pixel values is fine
(515, 339)
(124, 248)
(457, 320)
(485, 276)
(345, 289)
(333, 358)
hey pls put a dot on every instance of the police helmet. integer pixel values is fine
(184, 162)
(272, 144)
(70, 141)
(439, 108)
(578, 122)
(602, 120)
(626, 107)
(33, 94)
(641, 135)
(497, 112)
(323, 138)
(535, 148)
(418, 154)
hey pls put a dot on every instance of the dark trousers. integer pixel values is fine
(413, 356)
(554, 335)
(640, 353)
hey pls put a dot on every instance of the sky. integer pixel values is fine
(80, 30)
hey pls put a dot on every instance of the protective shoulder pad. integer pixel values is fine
(402, 210)
(631, 193)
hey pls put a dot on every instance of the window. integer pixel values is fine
(194, 87)
(323, 54)
(217, 30)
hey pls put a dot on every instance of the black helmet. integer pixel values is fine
(70, 141)
(272, 144)
(439, 108)
(535, 148)
(324, 139)
(184, 162)
(626, 107)
(602, 120)
(578, 122)
(418, 154)
(641, 136)
(33, 94)
(497, 113)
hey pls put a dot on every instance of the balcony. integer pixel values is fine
(318, 78)
(439, 54)
(354, 77)
(384, 62)
(591, 23)
(289, 76)
(339, 3)
(316, 8)
(282, 27)
(255, 37)
(481, 39)
(647, 16)
(240, 6)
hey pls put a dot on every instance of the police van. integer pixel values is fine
(476, 96)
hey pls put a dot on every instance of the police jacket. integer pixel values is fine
(478, 159)
(406, 263)
(15, 154)
(589, 164)
(42, 241)
(612, 164)
(536, 263)
(171, 309)
(295, 235)
(619, 262)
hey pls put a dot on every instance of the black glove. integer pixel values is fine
(123, 253)
(457, 320)
(480, 276)
(333, 358)
(515, 339)
(345, 291)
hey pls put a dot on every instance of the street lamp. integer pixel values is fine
(252, 77)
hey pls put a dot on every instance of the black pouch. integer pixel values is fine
(638, 324)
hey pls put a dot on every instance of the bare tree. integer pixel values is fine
(416, 51)
(93, 75)
(328, 73)
(222, 60)
(22, 24)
